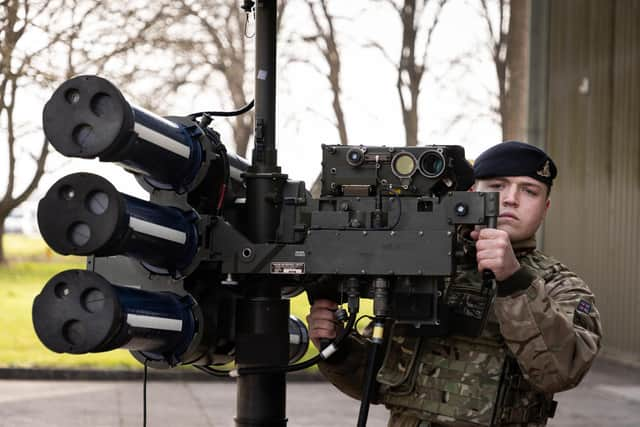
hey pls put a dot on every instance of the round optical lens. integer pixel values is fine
(404, 165)
(432, 164)
(355, 157)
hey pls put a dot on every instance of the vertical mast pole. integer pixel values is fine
(263, 316)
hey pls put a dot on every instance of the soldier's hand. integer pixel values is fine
(322, 321)
(494, 252)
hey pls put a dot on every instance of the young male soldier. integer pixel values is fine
(542, 333)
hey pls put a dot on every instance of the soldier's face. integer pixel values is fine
(523, 204)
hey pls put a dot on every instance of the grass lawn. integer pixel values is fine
(19, 247)
(23, 278)
(19, 345)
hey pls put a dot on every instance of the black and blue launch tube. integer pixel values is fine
(99, 122)
(79, 311)
(84, 214)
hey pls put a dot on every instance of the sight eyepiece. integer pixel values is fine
(404, 164)
(355, 156)
(432, 164)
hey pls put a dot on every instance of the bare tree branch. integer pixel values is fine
(410, 71)
(375, 45)
(509, 46)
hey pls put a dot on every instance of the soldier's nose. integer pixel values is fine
(509, 197)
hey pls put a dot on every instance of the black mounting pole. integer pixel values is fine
(262, 337)
(263, 178)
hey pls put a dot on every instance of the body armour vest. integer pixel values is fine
(461, 381)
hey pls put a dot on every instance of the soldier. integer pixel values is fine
(542, 333)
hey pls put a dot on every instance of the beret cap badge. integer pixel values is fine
(546, 170)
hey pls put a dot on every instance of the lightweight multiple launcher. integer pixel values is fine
(201, 273)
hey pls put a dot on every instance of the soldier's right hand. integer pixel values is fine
(322, 321)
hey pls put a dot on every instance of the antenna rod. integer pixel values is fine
(265, 156)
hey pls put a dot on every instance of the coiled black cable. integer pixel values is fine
(231, 113)
(307, 363)
(289, 368)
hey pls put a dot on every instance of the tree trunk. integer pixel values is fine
(514, 112)
(3, 259)
(341, 124)
(325, 41)
(410, 118)
(242, 130)
(408, 81)
(316, 186)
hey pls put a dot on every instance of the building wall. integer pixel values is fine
(588, 119)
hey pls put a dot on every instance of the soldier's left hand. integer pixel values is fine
(494, 252)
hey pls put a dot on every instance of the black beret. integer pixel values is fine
(513, 158)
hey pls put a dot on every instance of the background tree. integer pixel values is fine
(509, 46)
(210, 47)
(323, 38)
(326, 43)
(42, 44)
(12, 29)
(16, 20)
(157, 52)
(418, 23)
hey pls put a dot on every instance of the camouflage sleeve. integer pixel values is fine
(549, 321)
(346, 369)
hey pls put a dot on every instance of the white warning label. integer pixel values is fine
(287, 268)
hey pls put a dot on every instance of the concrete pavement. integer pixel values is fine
(609, 396)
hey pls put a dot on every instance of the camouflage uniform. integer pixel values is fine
(542, 335)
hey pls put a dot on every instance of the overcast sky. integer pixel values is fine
(370, 99)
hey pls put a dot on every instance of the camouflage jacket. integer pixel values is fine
(544, 317)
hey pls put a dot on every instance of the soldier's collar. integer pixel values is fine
(524, 247)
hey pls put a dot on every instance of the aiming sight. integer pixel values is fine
(201, 273)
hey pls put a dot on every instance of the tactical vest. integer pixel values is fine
(460, 381)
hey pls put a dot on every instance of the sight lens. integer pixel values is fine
(432, 164)
(355, 157)
(403, 165)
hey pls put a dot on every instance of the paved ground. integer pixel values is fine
(609, 396)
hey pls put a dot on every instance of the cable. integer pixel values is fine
(248, 6)
(364, 316)
(212, 371)
(395, 224)
(232, 113)
(144, 394)
(374, 352)
(324, 354)
(373, 359)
